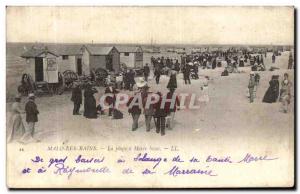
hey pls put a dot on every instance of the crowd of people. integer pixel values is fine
(162, 116)
(156, 111)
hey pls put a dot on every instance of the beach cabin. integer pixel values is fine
(132, 56)
(70, 58)
(94, 56)
(41, 64)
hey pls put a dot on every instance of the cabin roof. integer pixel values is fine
(128, 49)
(68, 49)
(35, 52)
(59, 50)
(99, 50)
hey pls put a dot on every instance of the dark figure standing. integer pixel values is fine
(290, 64)
(31, 118)
(76, 99)
(273, 58)
(93, 74)
(186, 74)
(272, 93)
(225, 72)
(172, 84)
(157, 75)
(135, 111)
(146, 71)
(90, 110)
(26, 85)
(160, 115)
(261, 59)
(131, 79)
(214, 64)
(126, 80)
(177, 66)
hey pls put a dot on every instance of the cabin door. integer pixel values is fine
(39, 70)
(109, 62)
(79, 66)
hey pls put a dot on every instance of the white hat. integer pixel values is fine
(141, 82)
(30, 95)
(251, 73)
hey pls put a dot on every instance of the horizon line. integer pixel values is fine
(161, 44)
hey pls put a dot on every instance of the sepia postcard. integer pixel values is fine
(150, 97)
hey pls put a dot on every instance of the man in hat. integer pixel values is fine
(134, 109)
(18, 128)
(160, 115)
(76, 98)
(31, 118)
(148, 107)
(186, 74)
(157, 74)
(251, 86)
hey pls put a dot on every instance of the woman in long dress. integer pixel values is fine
(18, 128)
(272, 93)
(90, 110)
(285, 93)
(172, 84)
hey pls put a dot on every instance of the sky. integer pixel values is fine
(151, 25)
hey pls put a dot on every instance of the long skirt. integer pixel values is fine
(28, 136)
(18, 128)
(285, 103)
(90, 110)
(270, 96)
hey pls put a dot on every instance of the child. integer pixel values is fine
(204, 91)
(119, 81)
(256, 79)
